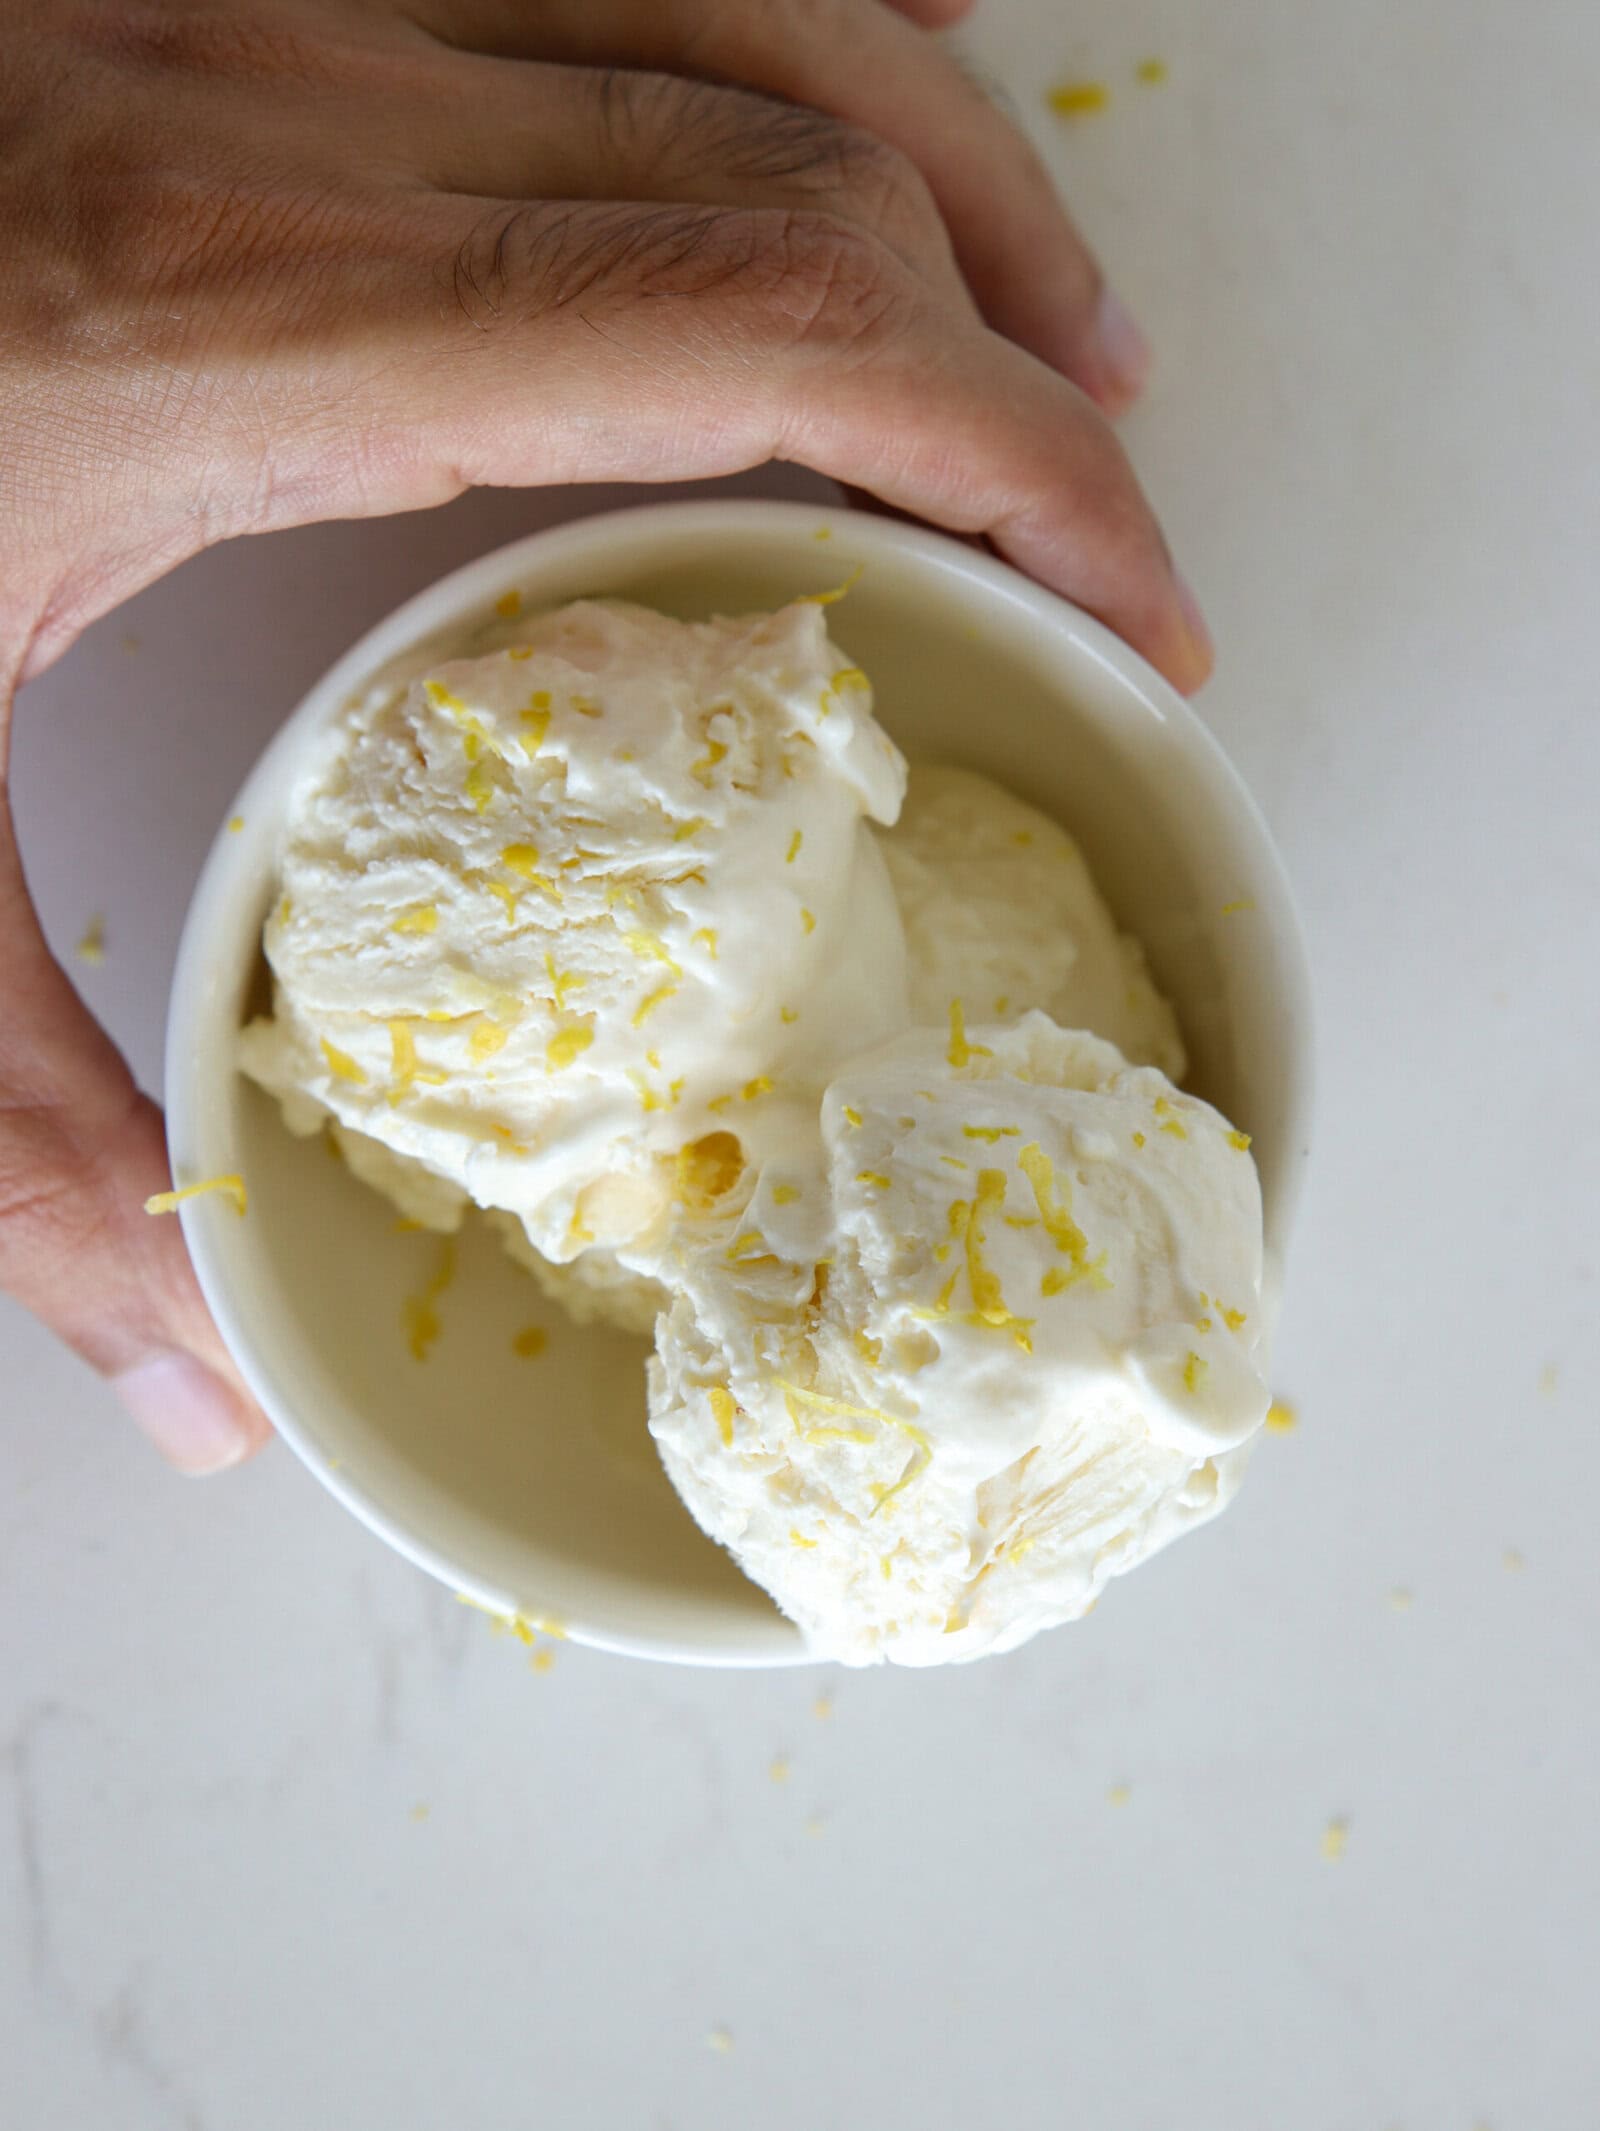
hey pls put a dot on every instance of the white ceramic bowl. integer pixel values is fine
(531, 1485)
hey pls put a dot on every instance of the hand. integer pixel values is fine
(264, 262)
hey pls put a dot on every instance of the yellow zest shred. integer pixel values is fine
(567, 1045)
(1281, 1417)
(808, 920)
(1168, 1117)
(509, 605)
(92, 947)
(520, 651)
(647, 1006)
(751, 1244)
(403, 1052)
(521, 858)
(707, 933)
(1243, 902)
(562, 981)
(341, 1065)
(487, 1038)
(990, 1132)
(504, 893)
(761, 1085)
(788, 1014)
(852, 1116)
(530, 1342)
(723, 1409)
(797, 1539)
(784, 1194)
(1078, 99)
(795, 1397)
(535, 717)
(686, 829)
(1195, 1372)
(418, 1313)
(235, 823)
(1138, 1139)
(961, 1051)
(1233, 1319)
(479, 787)
(986, 1296)
(441, 698)
(1063, 1231)
(587, 707)
(849, 677)
(701, 771)
(1152, 72)
(1240, 1140)
(425, 918)
(793, 852)
(650, 947)
(826, 599)
(875, 1177)
(232, 1186)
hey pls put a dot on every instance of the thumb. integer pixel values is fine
(80, 1151)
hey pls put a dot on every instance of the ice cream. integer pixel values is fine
(612, 931)
(1000, 912)
(998, 1340)
(556, 917)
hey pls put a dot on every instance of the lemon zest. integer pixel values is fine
(1078, 99)
(341, 1064)
(826, 599)
(418, 1313)
(231, 1185)
(723, 1409)
(961, 1051)
(567, 1045)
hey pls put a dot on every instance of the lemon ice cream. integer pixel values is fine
(998, 1340)
(1000, 912)
(553, 915)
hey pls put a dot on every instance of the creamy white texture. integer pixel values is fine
(552, 914)
(999, 1342)
(1001, 912)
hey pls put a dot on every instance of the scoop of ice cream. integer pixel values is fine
(552, 915)
(1001, 913)
(1000, 1341)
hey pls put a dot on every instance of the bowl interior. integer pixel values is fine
(529, 1481)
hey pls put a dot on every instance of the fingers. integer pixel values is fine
(1031, 272)
(632, 342)
(80, 1151)
(620, 133)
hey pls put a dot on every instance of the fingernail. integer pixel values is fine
(1195, 622)
(192, 1417)
(1123, 349)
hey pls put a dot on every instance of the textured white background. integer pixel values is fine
(1366, 249)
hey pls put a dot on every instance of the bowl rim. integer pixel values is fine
(459, 595)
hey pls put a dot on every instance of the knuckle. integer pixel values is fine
(548, 256)
(808, 278)
(762, 140)
(833, 286)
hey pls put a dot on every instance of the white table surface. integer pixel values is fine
(289, 1838)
